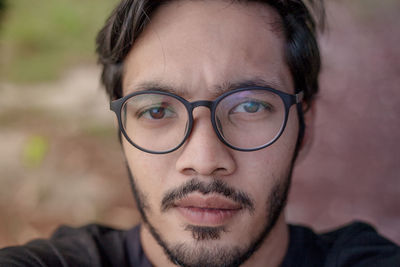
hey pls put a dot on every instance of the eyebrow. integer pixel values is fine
(157, 86)
(256, 82)
(216, 90)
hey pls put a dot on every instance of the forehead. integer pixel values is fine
(200, 46)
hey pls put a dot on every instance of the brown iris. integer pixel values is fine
(157, 113)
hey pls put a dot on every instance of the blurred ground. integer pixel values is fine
(81, 177)
(60, 161)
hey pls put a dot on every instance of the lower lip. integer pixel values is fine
(207, 217)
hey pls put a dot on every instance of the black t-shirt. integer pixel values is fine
(357, 245)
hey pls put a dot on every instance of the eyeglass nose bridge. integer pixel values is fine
(201, 103)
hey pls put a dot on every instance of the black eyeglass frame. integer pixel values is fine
(288, 100)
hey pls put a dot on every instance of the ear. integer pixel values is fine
(309, 121)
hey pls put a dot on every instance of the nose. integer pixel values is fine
(203, 153)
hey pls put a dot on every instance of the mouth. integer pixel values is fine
(207, 211)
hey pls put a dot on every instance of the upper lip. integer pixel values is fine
(207, 202)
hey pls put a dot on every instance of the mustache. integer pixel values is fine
(216, 186)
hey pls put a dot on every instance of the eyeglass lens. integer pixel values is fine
(246, 119)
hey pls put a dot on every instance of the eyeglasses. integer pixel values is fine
(244, 119)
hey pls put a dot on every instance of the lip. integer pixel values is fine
(207, 211)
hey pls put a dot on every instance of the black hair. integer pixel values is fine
(129, 18)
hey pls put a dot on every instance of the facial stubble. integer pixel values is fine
(189, 256)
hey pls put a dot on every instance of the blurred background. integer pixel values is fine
(60, 160)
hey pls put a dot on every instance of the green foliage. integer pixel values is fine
(35, 151)
(41, 38)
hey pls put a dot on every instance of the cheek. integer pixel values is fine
(144, 164)
(259, 171)
(149, 172)
(283, 149)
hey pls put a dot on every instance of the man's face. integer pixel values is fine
(206, 202)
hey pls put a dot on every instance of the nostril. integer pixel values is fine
(189, 171)
(220, 171)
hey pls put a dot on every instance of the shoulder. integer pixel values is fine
(91, 245)
(357, 245)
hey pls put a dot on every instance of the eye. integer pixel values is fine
(250, 107)
(156, 112)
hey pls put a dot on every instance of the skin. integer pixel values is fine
(199, 48)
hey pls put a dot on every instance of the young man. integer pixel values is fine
(211, 98)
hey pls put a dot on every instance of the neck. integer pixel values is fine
(271, 253)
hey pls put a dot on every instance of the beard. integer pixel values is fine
(198, 255)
